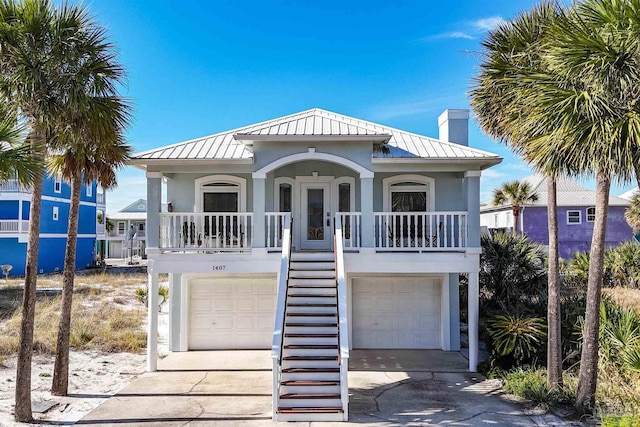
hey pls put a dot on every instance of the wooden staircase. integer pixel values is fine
(310, 377)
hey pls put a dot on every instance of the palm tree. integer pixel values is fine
(585, 115)
(49, 54)
(81, 163)
(15, 159)
(632, 214)
(517, 194)
(511, 50)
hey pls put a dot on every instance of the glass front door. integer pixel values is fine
(315, 216)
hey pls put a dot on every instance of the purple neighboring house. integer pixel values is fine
(576, 213)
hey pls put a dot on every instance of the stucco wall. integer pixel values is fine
(575, 237)
(181, 190)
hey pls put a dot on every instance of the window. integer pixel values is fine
(141, 226)
(121, 228)
(591, 214)
(284, 201)
(220, 193)
(344, 197)
(57, 184)
(89, 190)
(55, 213)
(574, 217)
(408, 193)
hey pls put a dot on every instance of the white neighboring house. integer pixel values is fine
(311, 235)
(628, 195)
(127, 222)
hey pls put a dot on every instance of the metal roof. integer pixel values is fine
(315, 123)
(628, 195)
(569, 193)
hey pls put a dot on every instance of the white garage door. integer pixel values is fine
(231, 313)
(396, 312)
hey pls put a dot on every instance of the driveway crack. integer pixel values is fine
(198, 383)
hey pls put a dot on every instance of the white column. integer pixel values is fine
(19, 212)
(175, 307)
(473, 320)
(259, 190)
(152, 320)
(366, 209)
(472, 206)
(154, 200)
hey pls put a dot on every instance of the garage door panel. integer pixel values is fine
(233, 313)
(396, 313)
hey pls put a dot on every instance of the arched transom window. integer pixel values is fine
(408, 193)
(221, 193)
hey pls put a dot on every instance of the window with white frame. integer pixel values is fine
(221, 193)
(89, 190)
(57, 184)
(408, 193)
(55, 213)
(574, 217)
(591, 214)
(121, 228)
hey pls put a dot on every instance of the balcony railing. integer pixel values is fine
(429, 231)
(13, 226)
(274, 229)
(350, 230)
(209, 231)
(100, 228)
(13, 186)
(100, 198)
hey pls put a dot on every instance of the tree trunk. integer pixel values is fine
(60, 383)
(23, 372)
(585, 397)
(637, 170)
(516, 214)
(554, 337)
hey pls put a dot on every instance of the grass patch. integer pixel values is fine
(615, 421)
(625, 297)
(531, 384)
(102, 327)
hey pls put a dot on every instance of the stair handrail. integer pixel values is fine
(343, 325)
(278, 329)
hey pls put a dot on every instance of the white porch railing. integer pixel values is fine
(278, 329)
(350, 228)
(100, 198)
(429, 231)
(207, 231)
(13, 186)
(100, 228)
(274, 229)
(343, 324)
(13, 226)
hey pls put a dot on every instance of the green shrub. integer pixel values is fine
(619, 335)
(623, 263)
(516, 338)
(616, 421)
(531, 384)
(142, 294)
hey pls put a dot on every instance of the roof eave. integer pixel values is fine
(142, 163)
(486, 162)
(249, 138)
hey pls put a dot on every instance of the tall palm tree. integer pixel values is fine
(81, 163)
(517, 194)
(586, 95)
(511, 50)
(48, 54)
(15, 159)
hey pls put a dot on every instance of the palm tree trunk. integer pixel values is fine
(554, 337)
(516, 214)
(585, 397)
(60, 383)
(637, 169)
(22, 411)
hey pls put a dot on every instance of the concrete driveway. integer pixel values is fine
(387, 389)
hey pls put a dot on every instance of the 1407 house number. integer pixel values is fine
(219, 267)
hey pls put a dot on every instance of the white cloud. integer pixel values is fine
(450, 35)
(412, 108)
(487, 24)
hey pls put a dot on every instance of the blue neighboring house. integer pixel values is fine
(56, 194)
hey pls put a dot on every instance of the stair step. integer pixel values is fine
(311, 314)
(310, 358)
(310, 396)
(310, 325)
(312, 295)
(312, 274)
(311, 346)
(309, 370)
(285, 410)
(311, 335)
(312, 282)
(297, 304)
(310, 383)
(317, 291)
(312, 265)
(313, 256)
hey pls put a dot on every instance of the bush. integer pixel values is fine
(142, 294)
(619, 335)
(515, 339)
(531, 384)
(621, 267)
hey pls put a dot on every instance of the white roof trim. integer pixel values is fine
(312, 155)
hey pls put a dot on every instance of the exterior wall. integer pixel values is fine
(52, 232)
(181, 189)
(498, 219)
(448, 189)
(575, 237)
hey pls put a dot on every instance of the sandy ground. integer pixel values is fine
(94, 378)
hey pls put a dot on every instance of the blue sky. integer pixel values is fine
(201, 67)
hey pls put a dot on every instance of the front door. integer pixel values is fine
(315, 215)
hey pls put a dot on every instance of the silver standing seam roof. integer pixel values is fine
(314, 123)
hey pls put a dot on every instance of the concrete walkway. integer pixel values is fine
(213, 391)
